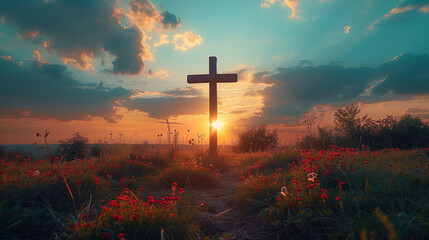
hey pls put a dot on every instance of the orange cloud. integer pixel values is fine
(81, 59)
(186, 40)
(28, 34)
(163, 39)
(38, 58)
(292, 4)
(7, 58)
(347, 29)
(143, 15)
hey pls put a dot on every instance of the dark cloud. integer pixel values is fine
(80, 30)
(41, 90)
(163, 108)
(170, 20)
(407, 9)
(405, 74)
(295, 91)
(188, 91)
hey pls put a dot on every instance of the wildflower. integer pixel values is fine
(106, 235)
(117, 217)
(366, 162)
(134, 216)
(312, 176)
(324, 196)
(121, 236)
(310, 186)
(283, 191)
(338, 198)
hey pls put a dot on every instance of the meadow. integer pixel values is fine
(143, 192)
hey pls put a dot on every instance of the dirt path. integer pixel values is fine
(219, 213)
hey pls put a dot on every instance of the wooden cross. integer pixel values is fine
(212, 78)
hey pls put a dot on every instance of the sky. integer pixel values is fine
(115, 70)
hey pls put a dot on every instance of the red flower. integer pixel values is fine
(117, 217)
(366, 162)
(324, 196)
(310, 186)
(106, 235)
(338, 198)
(134, 216)
(121, 236)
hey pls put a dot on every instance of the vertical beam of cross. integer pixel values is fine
(212, 78)
(213, 106)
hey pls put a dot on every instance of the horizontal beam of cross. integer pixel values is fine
(206, 78)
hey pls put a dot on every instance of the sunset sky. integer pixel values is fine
(115, 70)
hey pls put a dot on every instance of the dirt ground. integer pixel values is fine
(219, 215)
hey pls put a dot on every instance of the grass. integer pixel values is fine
(134, 192)
(35, 197)
(378, 195)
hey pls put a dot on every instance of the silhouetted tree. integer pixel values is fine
(348, 123)
(257, 139)
(410, 132)
(73, 148)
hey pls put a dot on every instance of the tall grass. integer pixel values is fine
(381, 195)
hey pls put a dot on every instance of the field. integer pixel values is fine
(137, 192)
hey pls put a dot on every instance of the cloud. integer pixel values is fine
(417, 110)
(294, 91)
(162, 108)
(41, 90)
(7, 58)
(347, 29)
(38, 58)
(186, 40)
(292, 4)
(407, 9)
(157, 74)
(405, 74)
(188, 91)
(82, 31)
(170, 20)
(163, 39)
(236, 112)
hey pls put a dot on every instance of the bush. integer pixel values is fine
(256, 139)
(73, 148)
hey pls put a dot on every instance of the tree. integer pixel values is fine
(257, 139)
(349, 123)
(73, 148)
(410, 132)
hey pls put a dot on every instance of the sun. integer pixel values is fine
(217, 124)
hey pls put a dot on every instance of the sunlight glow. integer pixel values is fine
(217, 125)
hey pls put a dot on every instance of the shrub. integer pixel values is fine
(73, 148)
(257, 139)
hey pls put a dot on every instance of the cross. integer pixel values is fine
(212, 78)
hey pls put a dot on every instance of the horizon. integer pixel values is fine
(117, 70)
